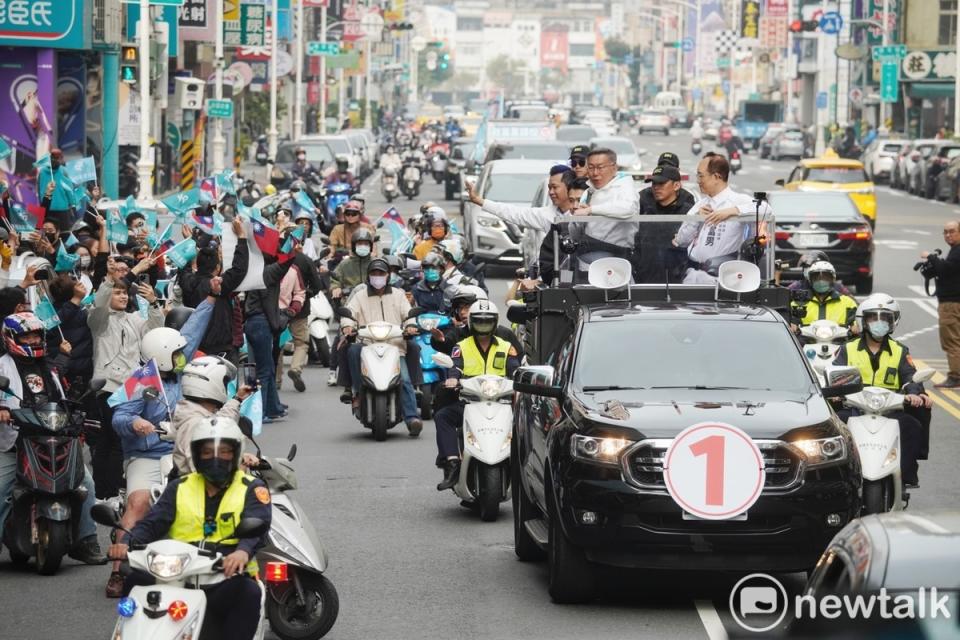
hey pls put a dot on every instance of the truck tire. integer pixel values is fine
(571, 578)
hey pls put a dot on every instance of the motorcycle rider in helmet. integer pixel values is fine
(301, 167)
(305, 221)
(137, 419)
(429, 293)
(32, 378)
(826, 302)
(480, 353)
(884, 362)
(352, 271)
(390, 160)
(804, 263)
(437, 229)
(342, 235)
(342, 174)
(378, 301)
(206, 505)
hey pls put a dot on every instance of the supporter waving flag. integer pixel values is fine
(143, 378)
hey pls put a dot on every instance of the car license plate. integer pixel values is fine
(807, 240)
(738, 518)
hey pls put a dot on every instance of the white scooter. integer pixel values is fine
(484, 480)
(822, 339)
(321, 314)
(877, 438)
(388, 183)
(175, 606)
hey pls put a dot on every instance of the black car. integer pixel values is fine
(829, 222)
(619, 381)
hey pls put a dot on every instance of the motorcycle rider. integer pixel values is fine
(884, 362)
(342, 174)
(444, 340)
(206, 505)
(805, 262)
(451, 250)
(696, 130)
(391, 159)
(480, 353)
(429, 293)
(378, 301)
(352, 272)
(341, 238)
(33, 382)
(301, 167)
(827, 303)
(439, 229)
(305, 221)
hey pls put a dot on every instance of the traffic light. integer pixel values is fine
(129, 63)
(444, 61)
(798, 26)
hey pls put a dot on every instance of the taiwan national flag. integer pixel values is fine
(208, 190)
(204, 223)
(266, 237)
(392, 214)
(146, 377)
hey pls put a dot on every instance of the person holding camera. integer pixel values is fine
(947, 272)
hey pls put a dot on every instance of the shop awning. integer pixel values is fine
(931, 90)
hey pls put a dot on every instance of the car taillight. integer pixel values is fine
(858, 233)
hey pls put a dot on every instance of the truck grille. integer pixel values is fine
(643, 464)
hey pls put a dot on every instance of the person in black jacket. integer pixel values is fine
(76, 365)
(947, 272)
(665, 196)
(197, 285)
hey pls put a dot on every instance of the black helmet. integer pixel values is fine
(378, 264)
(177, 317)
(394, 262)
(360, 235)
(343, 163)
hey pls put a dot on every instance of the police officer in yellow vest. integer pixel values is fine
(206, 506)
(884, 362)
(480, 353)
(827, 302)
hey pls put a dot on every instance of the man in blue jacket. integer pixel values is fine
(136, 421)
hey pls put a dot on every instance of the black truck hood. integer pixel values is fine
(663, 413)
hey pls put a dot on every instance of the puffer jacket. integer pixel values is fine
(116, 338)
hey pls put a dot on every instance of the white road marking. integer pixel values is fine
(919, 232)
(918, 332)
(925, 304)
(711, 620)
(898, 245)
(917, 289)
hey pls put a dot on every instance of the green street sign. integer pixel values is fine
(723, 63)
(219, 109)
(349, 60)
(173, 136)
(323, 48)
(889, 52)
(889, 81)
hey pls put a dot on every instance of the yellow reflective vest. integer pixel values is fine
(475, 365)
(887, 374)
(838, 307)
(191, 512)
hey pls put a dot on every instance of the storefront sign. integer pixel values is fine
(750, 19)
(57, 24)
(929, 65)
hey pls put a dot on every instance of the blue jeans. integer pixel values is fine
(86, 527)
(408, 399)
(260, 339)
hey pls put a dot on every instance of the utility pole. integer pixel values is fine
(219, 143)
(956, 82)
(144, 165)
(298, 65)
(322, 118)
(273, 133)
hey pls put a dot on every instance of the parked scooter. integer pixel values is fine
(877, 438)
(318, 321)
(301, 602)
(822, 339)
(174, 607)
(484, 480)
(388, 184)
(432, 373)
(49, 491)
(411, 179)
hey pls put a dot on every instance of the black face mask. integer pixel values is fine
(216, 471)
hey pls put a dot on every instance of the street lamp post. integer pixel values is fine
(298, 65)
(372, 25)
(417, 44)
(144, 166)
(273, 133)
(219, 143)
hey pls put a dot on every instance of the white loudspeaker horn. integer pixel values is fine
(739, 276)
(609, 273)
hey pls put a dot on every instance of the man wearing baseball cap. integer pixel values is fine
(342, 233)
(665, 196)
(578, 160)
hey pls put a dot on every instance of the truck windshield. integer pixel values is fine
(690, 354)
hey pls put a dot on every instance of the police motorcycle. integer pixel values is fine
(48, 491)
(301, 602)
(877, 438)
(484, 480)
(380, 391)
(822, 339)
(175, 606)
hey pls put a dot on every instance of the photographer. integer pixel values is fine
(947, 273)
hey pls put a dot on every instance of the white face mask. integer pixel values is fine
(378, 282)
(84, 262)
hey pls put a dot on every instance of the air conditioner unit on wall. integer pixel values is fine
(107, 22)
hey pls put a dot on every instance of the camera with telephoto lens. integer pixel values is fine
(925, 267)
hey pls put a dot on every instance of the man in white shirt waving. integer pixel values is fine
(717, 234)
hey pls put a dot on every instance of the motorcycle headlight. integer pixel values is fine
(379, 332)
(53, 420)
(599, 450)
(490, 389)
(823, 333)
(821, 451)
(876, 398)
(428, 324)
(167, 566)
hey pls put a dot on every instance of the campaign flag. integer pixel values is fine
(143, 307)
(302, 202)
(162, 289)
(21, 220)
(218, 224)
(143, 378)
(65, 261)
(82, 171)
(224, 182)
(89, 299)
(266, 237)
(46, 314)
(180, 203)
(129, 206)
(165, 236)
(252, 408)
(392, 214)
(182, 253)
(400, 240)
(71, 240)
(5, 149)
(203, 223)
(81, 196)
(293, 237)
(43, 164)
(247, 212)
(116, 227)
(208, 190)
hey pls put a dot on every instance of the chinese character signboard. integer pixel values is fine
(553, 49)
(773, 32)
(55, 24)
(750, 19)
(249, 30)
(197, 21)
(875, 12)
(929, 65)
(777, 8)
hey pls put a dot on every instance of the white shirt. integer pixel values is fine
(714, 240)
(539, 218)
(619, 199)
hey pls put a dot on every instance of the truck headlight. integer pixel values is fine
(822, 451)
(599, 450)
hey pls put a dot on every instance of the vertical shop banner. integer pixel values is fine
(71, 104)
(777, 8)
(128, 121)
(53, 24)
(750, 19)
(712, 21)
(196, 21)
(554, 49)
(168, 14)
(875, 12)
(24, 123)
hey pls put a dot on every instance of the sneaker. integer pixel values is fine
(949, 383)
(88, 551)
(414, 426)
(297, 380)
(332, 378)
(114, 585)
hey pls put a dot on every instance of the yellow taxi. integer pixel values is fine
(830, 172)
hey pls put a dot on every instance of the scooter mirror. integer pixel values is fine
(246, 426)
(922, 375)
(292, 454)
(415, 311)
(442, 360)
(102, 513)
(344, 312)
